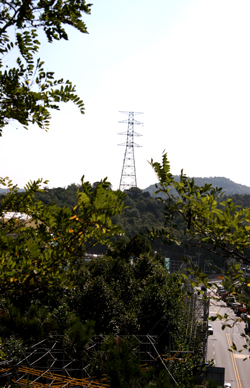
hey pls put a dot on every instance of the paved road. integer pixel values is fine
(237, 371)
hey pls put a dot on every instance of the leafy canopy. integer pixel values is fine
(27, 92)
(213, 223)
(43, 250)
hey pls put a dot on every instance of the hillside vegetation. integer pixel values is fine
(142, 212)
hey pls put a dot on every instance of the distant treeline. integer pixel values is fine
(143, 212)
(61, 196)
(142, 209)
(240, 199)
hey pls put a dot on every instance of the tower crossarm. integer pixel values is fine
(134, 134)
(128, 112)
(126, 144)
(135, 122)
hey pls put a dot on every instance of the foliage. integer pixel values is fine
(21, 329)
(119, 363)
(27, 91)
(142, 212)
(38, 251)
(220, 231)
(214, 223)
(129, 292)
(242, 200)
(164, 380)
(46, 286)
(125, 297)
(52, 291)
(40, 258)
(130, 250)
(77, 337)
(63, 197)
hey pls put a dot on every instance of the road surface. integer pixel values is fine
(237, 371)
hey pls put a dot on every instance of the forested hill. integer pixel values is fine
(142, 212)
(142, 209)
(228, 186)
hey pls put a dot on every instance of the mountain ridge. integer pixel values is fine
(229, 187)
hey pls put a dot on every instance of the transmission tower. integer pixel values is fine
(128, 176)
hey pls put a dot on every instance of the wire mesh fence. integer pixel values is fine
(45, 364)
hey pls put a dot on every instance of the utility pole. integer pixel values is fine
(128, 176)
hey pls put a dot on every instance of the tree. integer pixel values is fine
(41, 256)
(129, 291)
(27, 92)
(52, 237)
(217, 225)
(43, 246)
(212, 222)
(117, 360)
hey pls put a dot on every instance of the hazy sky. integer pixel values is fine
(184, 63)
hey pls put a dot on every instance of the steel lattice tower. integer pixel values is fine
(128, 176)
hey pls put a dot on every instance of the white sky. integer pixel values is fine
(184, 63)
